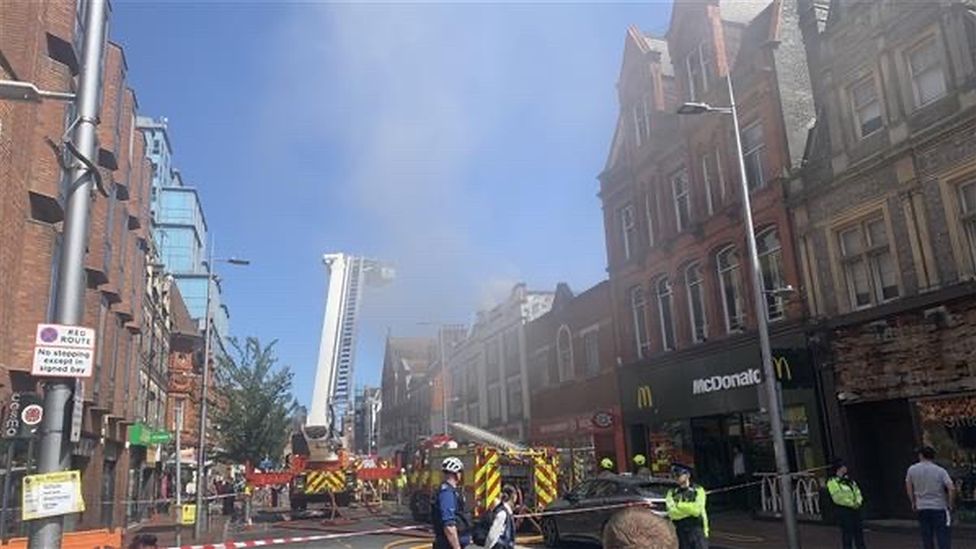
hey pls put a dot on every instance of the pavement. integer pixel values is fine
(364, 529)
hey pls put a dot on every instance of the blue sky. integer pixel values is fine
(459, 141)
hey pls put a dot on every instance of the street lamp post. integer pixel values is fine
(205, 390)
(69, 296)
(775, 406)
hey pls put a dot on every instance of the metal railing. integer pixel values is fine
(806, 495)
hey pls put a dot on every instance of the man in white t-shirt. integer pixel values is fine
(932, 494)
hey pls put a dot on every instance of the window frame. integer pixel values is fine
(702, 64)
(642, 341)
(967, 218)
(707, 181)
(628, 243)
(856, 109)
(930, 39)
(683, 197)
(664, 292)
(565, 364)
(587, 336)
(649, 216)
(699, 284)
(756, 153)
(868, 256)
(777, 252)
(736, 271)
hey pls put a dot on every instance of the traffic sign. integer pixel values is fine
(63, 351)
(52, 494)
(188, 514)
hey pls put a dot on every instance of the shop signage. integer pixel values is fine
(722, 382)
(52, 494)
(745, 378)
(602, 419)
(22, 416)
(141, 434)
(63, 351)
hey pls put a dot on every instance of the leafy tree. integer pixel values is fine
(254, 404)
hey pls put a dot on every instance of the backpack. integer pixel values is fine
(479, 532)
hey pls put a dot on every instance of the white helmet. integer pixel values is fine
(452, 465)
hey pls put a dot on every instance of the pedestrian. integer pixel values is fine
(932, 495)
(401, 486)
(638, 528)
(739, 477)
(447, 514)
(501, 535)
(847, 498)
(144, 541)
(686, 508)
(640, 465)
(606, 467)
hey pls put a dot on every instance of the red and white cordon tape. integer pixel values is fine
(297, 539)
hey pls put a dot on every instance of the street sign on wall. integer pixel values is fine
(63, 351)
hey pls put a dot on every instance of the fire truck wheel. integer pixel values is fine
(550, 533)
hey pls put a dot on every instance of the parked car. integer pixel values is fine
(594, 502)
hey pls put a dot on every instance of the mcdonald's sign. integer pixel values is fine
(645, 398)
(783, 370)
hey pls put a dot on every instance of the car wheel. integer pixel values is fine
(550, 533)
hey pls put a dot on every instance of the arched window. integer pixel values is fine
(639, 319)
(663, 287)
(730, 283)
(771, 264)
(564, 353)
(696, 302)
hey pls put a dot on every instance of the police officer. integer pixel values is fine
(848, 500)
(606, 467)
(640, 465)
(686, 508)
(447, 516)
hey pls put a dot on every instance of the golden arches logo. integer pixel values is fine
(645, 398)
(783, 370)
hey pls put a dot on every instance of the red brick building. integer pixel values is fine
(40, 43)
(572, 377)
(679, 279)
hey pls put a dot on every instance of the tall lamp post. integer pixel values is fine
(762, 324)
(82, 175)
(205, 389)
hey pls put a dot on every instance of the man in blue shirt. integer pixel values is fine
(447, 510)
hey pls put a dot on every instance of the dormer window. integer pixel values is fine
(696, 65)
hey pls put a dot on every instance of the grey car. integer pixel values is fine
(592, 503)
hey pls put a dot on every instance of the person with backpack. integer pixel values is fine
(447, 509)
(847, 499)
(501, 534)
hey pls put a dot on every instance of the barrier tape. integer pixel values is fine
(298, 539)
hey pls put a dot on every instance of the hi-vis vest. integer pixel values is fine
(687, 503)
(845, 492)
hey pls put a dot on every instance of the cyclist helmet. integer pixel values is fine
(452, 465)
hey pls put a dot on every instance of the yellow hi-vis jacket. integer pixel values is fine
(401, 482)
(845, 492)
(687, 503)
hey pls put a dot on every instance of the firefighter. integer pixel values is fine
(686, 508)
(848, 500)
(447, 516)
(640, 465)
(401, 486)
(606, 467)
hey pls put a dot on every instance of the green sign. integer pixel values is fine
(141, 434)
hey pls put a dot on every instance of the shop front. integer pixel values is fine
(707, 410)
(948, 424)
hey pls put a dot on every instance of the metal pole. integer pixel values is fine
(440, 338)
(204, 391)
(69, 302)
(6, 489)
(179, 467)
(774, 405)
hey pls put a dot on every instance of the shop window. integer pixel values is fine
(638, 313)
(771, 264)
(967, 205)
(869, 265)
(926, 71)
(682, 199)
(866, 106)
(665, 316)
(949, 426)
(730, 284)
(696, 303)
